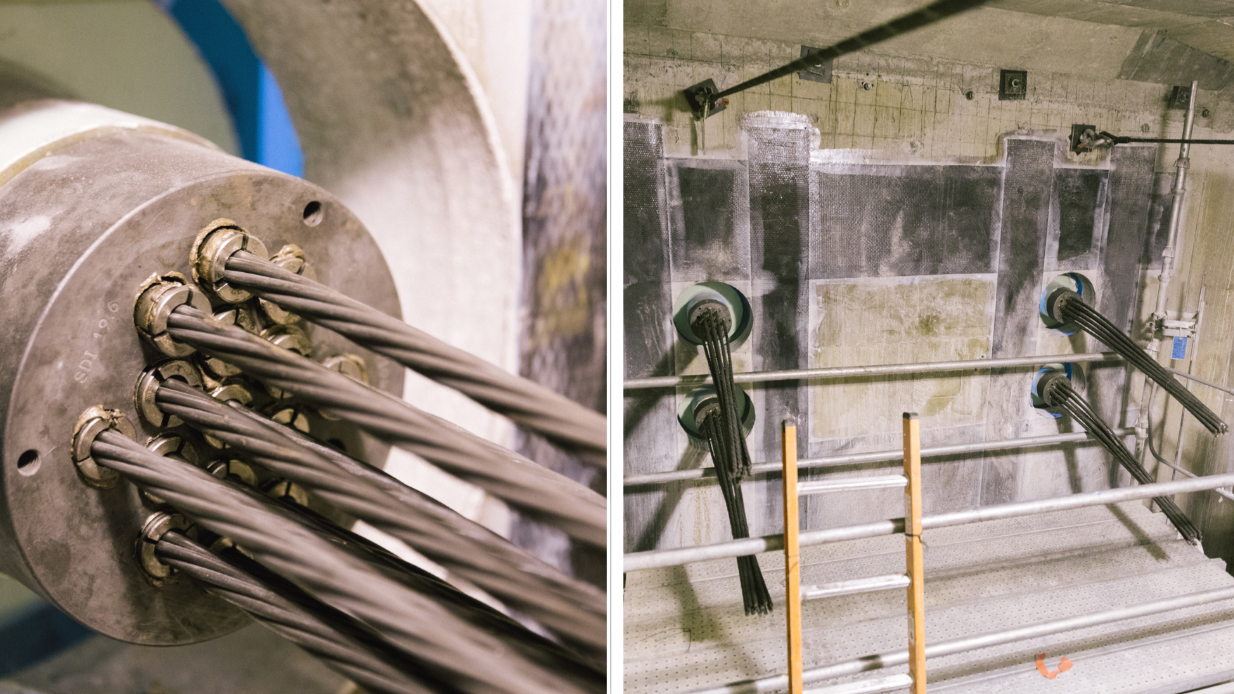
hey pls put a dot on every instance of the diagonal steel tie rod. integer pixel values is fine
(540, 493)
(449, 650)
(570, 608)
(569, 425)
(925, 16)
(346, 647)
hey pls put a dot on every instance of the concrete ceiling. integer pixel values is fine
(1207, 25)
(1090, 37)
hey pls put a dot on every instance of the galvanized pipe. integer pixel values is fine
(1210, 384)
(857, 585)
(768, 543)
(878, 686)
(655, 478)
(970, 643)
(1220, 492)
(852, 484)
(879, 370)
(1167, 269)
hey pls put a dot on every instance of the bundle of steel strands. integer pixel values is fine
(1059, 393)
(754, 594)
(444, 648)
(721, 424)
(1072, 308)
(569, 425)
(540, 493)
(573, 610)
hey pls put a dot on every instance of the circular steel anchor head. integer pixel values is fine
(220, 240)
(148, 384)
(292, 259)
(94, 421)
(158, 297)
(155, 527)
(230, 391)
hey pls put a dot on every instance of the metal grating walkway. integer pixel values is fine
(684, 626)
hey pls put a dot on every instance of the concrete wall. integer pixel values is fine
(878, 155)
(124, 54)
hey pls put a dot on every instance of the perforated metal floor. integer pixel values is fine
(684, 626)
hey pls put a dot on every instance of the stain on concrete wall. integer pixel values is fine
(897, 219)
(898, 320)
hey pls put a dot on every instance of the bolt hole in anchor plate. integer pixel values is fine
(1012, 85)
(70, 343)
(732, 298)
(706, 395)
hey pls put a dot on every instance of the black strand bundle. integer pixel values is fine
(721, 425)
(1059, 393)
(1072, 308)
(754, 593)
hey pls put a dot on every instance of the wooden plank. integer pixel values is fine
(792, 564)
(913, 552)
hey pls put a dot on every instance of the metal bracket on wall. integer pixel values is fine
(1083, 138)
(1180, 98)
(705, 98)
(702, 101)
(816, 73)
(1012, 85)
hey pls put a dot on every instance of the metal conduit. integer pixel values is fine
(969, 643)
(656, 478)
(879, 370)
(769, 543)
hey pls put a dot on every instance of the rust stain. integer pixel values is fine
(561, 295)
(890, 321)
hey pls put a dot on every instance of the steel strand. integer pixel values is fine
(320, 630)
(754, 594)
(1059, 393)
(573, 610)
(538, 492)
(1073, 308)
(567, 424)
(518, 637)
(448, 649)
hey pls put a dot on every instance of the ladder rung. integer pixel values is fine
(878, 686)
(856, 585)
(850, 484)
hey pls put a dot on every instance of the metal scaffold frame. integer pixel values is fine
(912, 526)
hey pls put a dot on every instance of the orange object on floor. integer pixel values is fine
(1063, 666)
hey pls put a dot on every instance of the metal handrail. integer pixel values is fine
(857, 666)
(768, 543)
(852, 484)
(856, 585)
(876, 370)
(654, 478)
